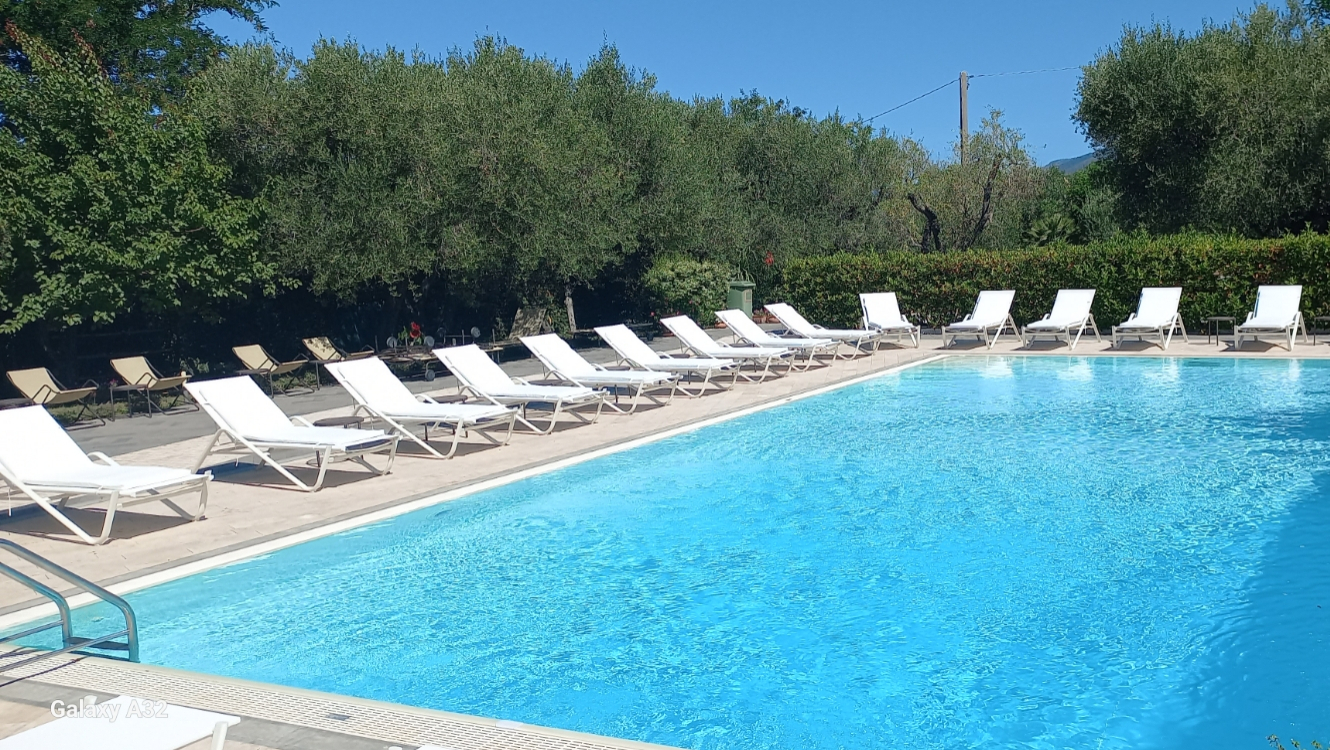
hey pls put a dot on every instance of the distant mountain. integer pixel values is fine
(1074, 164)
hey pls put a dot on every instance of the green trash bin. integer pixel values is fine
(740, 297)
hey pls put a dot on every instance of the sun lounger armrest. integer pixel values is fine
(1250, 315)
(99, 456)
(1131, 317)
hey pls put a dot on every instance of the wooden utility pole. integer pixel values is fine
(965, 112)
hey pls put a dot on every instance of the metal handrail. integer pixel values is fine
(71, 642)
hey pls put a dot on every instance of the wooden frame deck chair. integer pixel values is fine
(1156, 315)
(249, 423)
(744, 329)
(257, 361)
(483, 377)
(325, 351)
(381, 395)
(692, 338)
(125, 723)
(1067, 321)
(138, 371)
(1276, 313)
(41, 461)
(560, 360)
(990, 317)
(42, 389)
(882, 313)
(634, 351)
(798, 325)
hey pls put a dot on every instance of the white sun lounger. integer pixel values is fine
(123, 723)
(882, 313)
(1068, 320)
(1156, 315)
(41, 461)
(744, 329)
(990, 317)
(635, 352)
(248, 422)
(564, 363)
(381, 395)
(483, 377)
(799, 326)
(1276, 313)
(694, 339)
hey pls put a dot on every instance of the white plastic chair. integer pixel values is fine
(692, 338)
(41, 461)
(248, 422)
(882, 312)
(381, 395)
(1156, 315)
(483, 377)
(1277, 312)
(635, 352)
(797, 324)
(566, 364)
(990, 317)
(1068, 320)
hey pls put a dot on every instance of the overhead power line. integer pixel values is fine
(1025, 72)
(912, 101)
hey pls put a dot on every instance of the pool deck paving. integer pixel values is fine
(249, 513)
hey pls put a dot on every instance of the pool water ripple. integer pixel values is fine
(1035, 552)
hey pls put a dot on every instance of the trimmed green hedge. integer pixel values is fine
(1218, 276)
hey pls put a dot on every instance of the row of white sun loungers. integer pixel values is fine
(41, 461)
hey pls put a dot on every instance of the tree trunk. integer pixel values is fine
(932, 227)
(568, 305)
(986, 209)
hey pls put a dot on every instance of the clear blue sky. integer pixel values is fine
(856, 57)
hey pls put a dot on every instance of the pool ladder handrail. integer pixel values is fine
(72, 643)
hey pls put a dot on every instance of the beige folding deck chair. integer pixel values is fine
(138, 371)
(325, 351)
(257, 361)
(41, 388)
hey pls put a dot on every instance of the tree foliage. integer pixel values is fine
(501, 180)
(106, 207)
(1224, 130)
(150, 47)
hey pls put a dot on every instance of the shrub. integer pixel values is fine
(1218, 276)
(680, 285)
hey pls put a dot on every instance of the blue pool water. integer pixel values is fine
(980, 553)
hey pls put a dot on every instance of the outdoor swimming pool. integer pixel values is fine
(986, 552)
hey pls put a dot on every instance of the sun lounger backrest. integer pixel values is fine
(322, 348)
(1158, 305)
(33, 444)
(1278, 303)
(791, 319)
(1072, 305)
(254, 357)
(627, 344)
(239, 405)
(474, 368)
(558, 355)
(689, 332)
(992, 307)
(742, 325)
(371, 382)
(880, 308)
(36, 383)
(135, 370)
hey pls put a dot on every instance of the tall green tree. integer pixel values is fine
(106, 207)
(1224, 130)
(151, 47)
